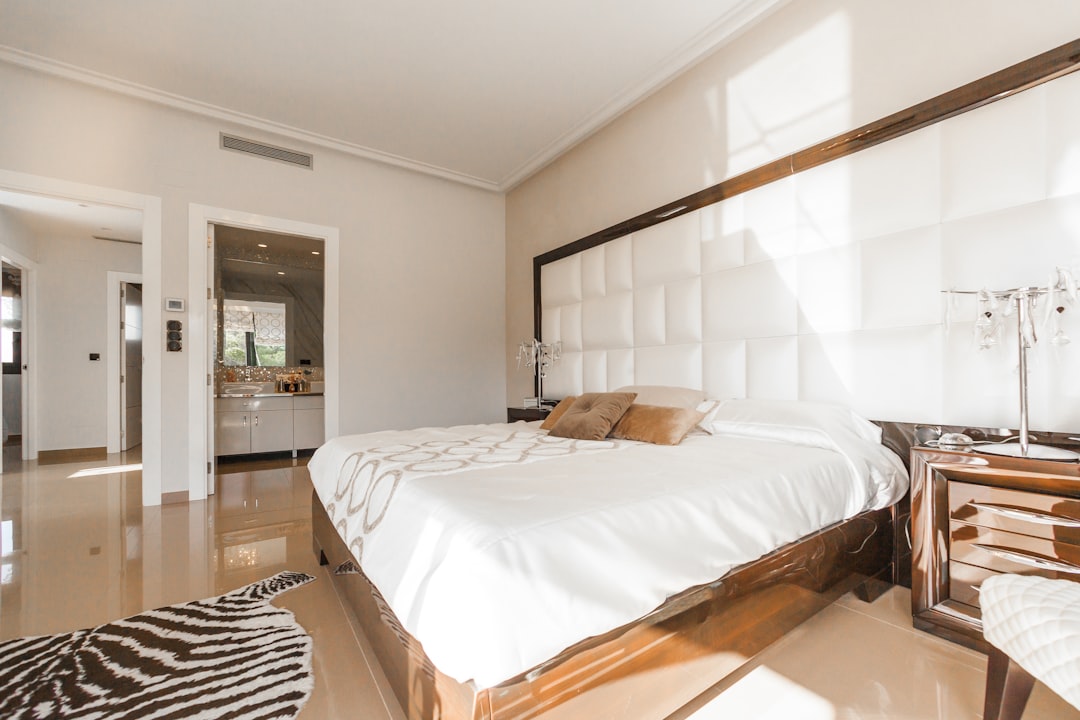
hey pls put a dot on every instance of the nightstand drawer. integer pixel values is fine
(1044, 516)
(1014, 553)
(965, 581)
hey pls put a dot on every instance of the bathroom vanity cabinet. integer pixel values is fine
(309, 423)
(244, 425)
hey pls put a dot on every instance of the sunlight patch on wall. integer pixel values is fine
(1063, 145)
(787, 100)
(791, 98)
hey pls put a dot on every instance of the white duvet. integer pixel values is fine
(498, 559)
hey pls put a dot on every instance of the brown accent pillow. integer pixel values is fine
(656, 424)
(592, 416)
(557, 412)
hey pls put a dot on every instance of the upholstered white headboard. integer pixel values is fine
(826, 285)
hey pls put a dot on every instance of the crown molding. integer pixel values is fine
(722, 30)
(101, 81)
(739, 18)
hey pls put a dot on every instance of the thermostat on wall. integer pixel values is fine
(174, 304)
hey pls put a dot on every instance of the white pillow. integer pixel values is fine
(665, 395)
(709, 408)
(820, 425)
(776, 419)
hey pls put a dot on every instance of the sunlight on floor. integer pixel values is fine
(109, 470)
(767, 695)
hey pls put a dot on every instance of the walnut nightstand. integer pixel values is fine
(513, 414)
(974, 516)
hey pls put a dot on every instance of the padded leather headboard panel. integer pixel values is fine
(826, 285)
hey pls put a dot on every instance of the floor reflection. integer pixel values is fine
(78, 549)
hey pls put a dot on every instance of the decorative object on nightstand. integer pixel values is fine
(995, 308)
(539, 356)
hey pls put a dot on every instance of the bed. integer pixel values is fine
(752, 288)
(502, 572)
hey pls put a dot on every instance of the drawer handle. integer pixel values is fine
(1029, 515)
(1030, 559)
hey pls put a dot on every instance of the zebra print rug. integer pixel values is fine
(232, 656)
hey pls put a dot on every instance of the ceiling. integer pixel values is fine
(483, 92)
(47, 216)
(268, 255)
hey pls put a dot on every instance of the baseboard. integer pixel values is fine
(57, 457)
(174, 497)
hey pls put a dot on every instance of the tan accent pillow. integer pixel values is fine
(656, 424)
(592, 416)
(557, 412)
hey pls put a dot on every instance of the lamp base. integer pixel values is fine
(1036, 452)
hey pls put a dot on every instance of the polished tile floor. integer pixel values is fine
(78, 549)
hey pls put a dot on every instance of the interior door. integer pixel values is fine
(212, 332)
(131, 337)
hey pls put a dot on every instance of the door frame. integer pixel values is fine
(113, 368)
(150, 205)
(28, 270)
(197, 338)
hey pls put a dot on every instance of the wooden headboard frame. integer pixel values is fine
(998, 86)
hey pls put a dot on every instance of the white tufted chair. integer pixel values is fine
(1033, 627)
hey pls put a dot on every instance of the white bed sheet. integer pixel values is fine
(496, 569)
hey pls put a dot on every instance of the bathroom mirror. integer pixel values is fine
(269, 290)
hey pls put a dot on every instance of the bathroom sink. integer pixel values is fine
(238, 389)
(241, 389)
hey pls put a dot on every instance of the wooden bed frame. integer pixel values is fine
(672, 661)
(654, 666)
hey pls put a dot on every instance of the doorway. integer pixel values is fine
(202, 323)
(267, 305)
(78, 247)
(83, 196)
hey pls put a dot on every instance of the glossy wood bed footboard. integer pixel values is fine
(650, 668)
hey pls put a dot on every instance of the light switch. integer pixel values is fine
(174, 336)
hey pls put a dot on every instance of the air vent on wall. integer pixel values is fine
(293, 157)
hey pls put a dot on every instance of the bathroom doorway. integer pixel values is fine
(266, 321)
(202, 317)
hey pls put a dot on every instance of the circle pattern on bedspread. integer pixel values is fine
(368, 479)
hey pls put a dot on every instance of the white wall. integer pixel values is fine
(71, 323)
(810, 71)
(421, 260)
(14, 235)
